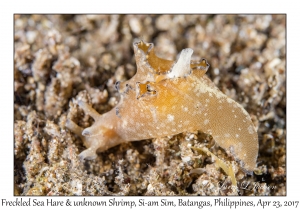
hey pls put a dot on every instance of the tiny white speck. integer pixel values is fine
(186, 122)
(170, 117)
(250, 129)
(229, 100)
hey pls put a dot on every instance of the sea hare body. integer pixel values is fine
(166, 98)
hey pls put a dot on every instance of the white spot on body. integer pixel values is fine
(229, 100)
(186, 122)
(170, 117)
(124, 123)
(206, 121)
(250, 129)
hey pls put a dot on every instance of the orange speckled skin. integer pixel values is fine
(155, 103)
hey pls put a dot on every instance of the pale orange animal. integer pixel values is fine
(166, 98)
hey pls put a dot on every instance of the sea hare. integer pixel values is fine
(166, 98)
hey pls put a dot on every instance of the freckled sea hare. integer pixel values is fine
(166, 98)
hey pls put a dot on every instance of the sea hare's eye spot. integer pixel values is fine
(127, 88)
(144, 89)
(150, 90)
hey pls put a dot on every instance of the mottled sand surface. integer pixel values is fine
(59, 59)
